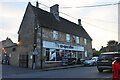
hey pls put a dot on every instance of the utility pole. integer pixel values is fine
(36, 27)
(35, 38)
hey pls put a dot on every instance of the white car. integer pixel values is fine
(91, 62)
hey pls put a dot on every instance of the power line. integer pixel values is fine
(90, 23)
(68, 15)
(100, 5)
(85, 21)
(44, 5)
(93, 25)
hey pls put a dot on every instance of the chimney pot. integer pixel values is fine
(37, 4)
(79, 22)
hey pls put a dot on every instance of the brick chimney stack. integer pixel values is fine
(55, 11)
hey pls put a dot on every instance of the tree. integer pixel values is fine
(112, 43)
(112, 46)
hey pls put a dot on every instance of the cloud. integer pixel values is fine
(11, 17)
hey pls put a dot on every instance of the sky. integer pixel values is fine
(101, 23)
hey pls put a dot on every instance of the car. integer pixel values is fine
(105, 60)
(91, 62)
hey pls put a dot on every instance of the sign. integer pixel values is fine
(65, 46)
(35, 52)
(54, 45)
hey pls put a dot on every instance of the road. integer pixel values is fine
(78, 72)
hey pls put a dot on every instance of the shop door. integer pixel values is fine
(23, 61)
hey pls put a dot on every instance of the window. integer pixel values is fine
(74, 39)
(85, 41)
(86, 54)
(67, 37)
(53, 55)
(47, 54)
(58, 55)
(55, 35)
(77, 40)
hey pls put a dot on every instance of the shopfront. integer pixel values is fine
(57, 52)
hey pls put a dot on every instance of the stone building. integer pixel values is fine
(60, 39)
(7, 48)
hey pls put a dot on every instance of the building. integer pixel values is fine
(7, 48)
(60, 39)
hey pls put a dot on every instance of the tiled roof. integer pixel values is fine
(48, 20)
(7, 43)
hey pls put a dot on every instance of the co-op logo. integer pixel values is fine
(64, 46)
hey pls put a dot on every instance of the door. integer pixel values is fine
(23, 61)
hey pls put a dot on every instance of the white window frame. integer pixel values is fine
(55, 35)
(86, 53)
(85, 41)
(67, 37)
(77, 39)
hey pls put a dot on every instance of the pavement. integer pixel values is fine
(11, 70)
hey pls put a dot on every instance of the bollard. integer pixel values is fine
(116, 68)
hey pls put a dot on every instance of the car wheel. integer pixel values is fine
(100, 70)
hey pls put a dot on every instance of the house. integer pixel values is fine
(7, 48)
(48, 40)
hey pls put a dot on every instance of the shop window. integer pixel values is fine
(55, 35)
(73, 53)
(53, 55)
(67, 37)
(47, 54)
(86, 54)
(58, 55)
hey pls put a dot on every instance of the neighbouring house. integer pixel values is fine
(7, 48)
(60, 39)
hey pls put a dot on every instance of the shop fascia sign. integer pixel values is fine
(55, 45)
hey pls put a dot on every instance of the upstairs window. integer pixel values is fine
(74, 39)
(55, 35)
(85, 41)
(67, 37)
(77, 40)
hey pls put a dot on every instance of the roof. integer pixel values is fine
(48, 20)
(7, 43)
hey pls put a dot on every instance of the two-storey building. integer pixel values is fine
(60, 39)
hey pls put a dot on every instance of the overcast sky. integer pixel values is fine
(101, 23)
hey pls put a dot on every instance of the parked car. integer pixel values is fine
(91, 62)
(105, 60)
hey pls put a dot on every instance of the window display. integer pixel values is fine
(58, 55)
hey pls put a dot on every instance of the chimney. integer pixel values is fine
(79, 22)
(37, 4)
(55, 11)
